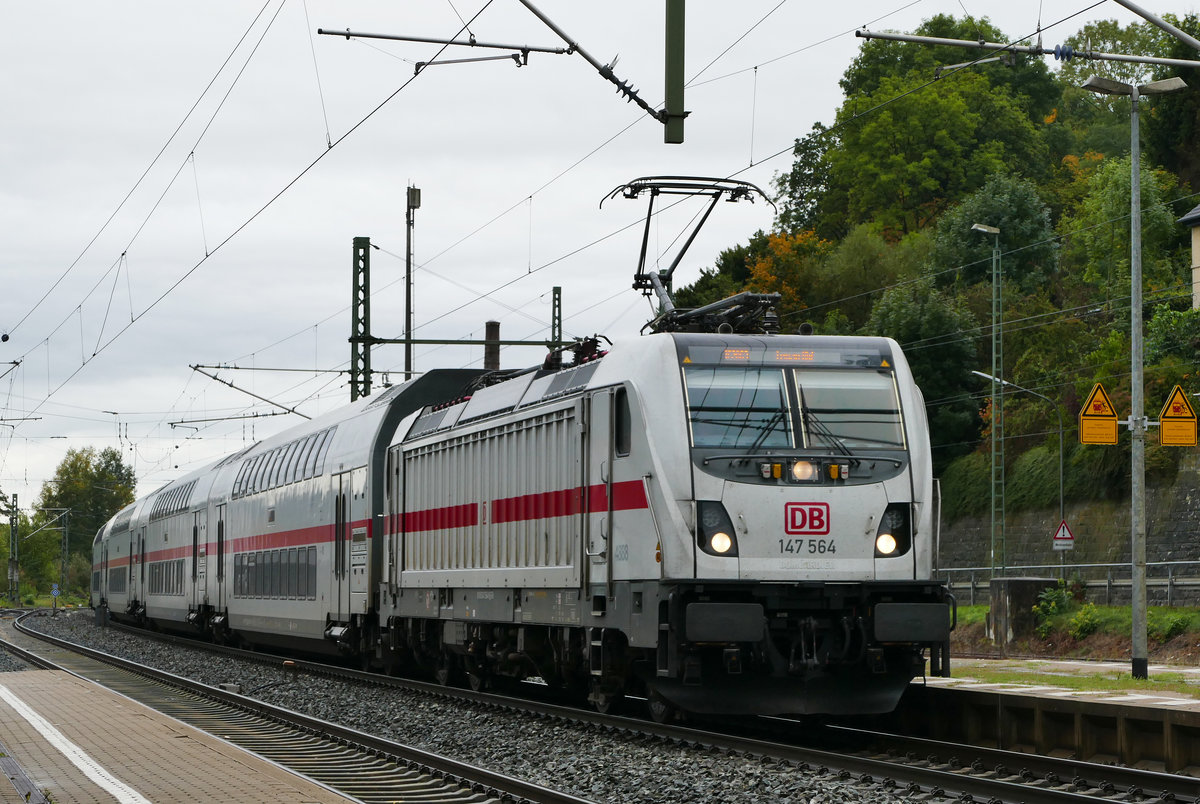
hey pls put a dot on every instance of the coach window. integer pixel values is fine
(256, 483)
(325, 445)
(312, 469)
(624, 433)
(303, 454)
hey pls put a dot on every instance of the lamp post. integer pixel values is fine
(1137, 419)
(997, 399)
(412, 202)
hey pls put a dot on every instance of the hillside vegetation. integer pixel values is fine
(874, 236)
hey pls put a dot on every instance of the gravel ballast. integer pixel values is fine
(577, 759)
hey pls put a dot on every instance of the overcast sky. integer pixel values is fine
(150, 221)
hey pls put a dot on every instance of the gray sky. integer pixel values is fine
(512, 164)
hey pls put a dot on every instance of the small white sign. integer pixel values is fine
(1064, 539)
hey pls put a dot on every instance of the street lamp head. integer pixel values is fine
(1106, 86)
(1172, 84)
(983, 227)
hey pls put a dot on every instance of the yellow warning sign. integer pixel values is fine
(1098, 419)
(1177, 421)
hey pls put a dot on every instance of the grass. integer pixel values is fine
(1075, 677)
(1067, 629)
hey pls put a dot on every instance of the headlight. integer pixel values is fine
(894, 535)
(803, 470)
(721, 542)
(714, 529)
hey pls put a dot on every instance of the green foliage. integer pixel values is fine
(1027, 79)
(1173, 333)
(1061, 604)
(90, 487)
(916, 312)
(1085, 622)
(1163, 624)
(1033, 481)
(966, 481)
(908, 160)
(1026, 237)
(1097, 231)
(1171, 125)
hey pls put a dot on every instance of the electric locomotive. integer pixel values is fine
(714, 516)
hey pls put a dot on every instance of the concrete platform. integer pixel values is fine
(1152, 729)
(77, 742)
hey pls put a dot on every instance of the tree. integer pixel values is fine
(1097, 232)
(727, 277)
(1171, 125)
(1013, 205)
(932, 327)
(909, 151)
(94, 486)
(1024, 78)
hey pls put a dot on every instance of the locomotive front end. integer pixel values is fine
(813, 530)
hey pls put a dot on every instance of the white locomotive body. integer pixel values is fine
(719, 523)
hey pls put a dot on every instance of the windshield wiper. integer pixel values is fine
(767, 429)
(819, 427)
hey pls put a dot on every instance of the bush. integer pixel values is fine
(1165, 625)
(1085, 622)
(1051, 603)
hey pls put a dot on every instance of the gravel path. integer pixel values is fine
(581, 760)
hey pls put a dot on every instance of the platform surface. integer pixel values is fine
(1043, 674)
(78, 742)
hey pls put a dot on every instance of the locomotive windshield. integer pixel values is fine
(738, 407)
(763, 408)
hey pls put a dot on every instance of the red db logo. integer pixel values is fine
(806, 519)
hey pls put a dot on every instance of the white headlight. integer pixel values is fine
(721, 542)
(885, 544)
(803, 470)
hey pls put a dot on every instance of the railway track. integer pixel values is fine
(361, 766)
(895, 766)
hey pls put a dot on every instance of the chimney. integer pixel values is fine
(491, 350)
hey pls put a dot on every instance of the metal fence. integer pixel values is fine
(1168, 583)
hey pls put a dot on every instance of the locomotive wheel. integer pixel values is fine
(477, 682)
(661, 710)
(606, 697)
(444, 673)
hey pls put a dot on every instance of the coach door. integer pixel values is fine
(199, 590)
(222, 562)
(598, 497)
(358, 550)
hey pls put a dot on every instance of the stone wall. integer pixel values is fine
(1102, 532)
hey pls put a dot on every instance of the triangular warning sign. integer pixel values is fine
(1064, 539)
(1178, 406)
(1177, 421)
(884, 364)
(1098, 404)
(1097, 419)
